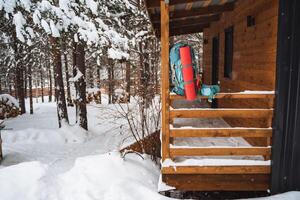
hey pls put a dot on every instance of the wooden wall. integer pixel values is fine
(254, 53)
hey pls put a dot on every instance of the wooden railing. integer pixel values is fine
(245, 132)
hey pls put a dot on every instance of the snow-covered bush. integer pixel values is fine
(93, 94)
(9, 107)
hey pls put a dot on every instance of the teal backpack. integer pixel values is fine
(176, 77)
(210, 91)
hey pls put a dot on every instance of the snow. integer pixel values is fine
(77, 77)
(22, 181)
(215, 162)
(257, 92)
(67, 134)
(54, 30)
(45, 26)
(92, 5)
(115, 54)
(93, 90)
(19, 23)
(70, 163)
(163, 186)
(109, 176)
(9, 100)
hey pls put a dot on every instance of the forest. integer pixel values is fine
(74, 51)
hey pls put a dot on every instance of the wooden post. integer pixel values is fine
(165, 93)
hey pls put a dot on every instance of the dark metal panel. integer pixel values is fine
(286, 137)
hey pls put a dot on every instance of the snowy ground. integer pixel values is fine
(42, 162)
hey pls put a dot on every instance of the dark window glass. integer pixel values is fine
(228, 54)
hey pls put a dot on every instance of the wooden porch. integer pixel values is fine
(248, 167)
(205, 168)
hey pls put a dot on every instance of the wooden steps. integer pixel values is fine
(220, 113)
(220, 132)
(259, 169)
(220, 151)
(218, 182)
(232, 175)
(237, 95)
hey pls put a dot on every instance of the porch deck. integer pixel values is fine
(205, 154)
(220, 167)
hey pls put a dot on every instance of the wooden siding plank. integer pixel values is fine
(221, 151)
(254, 60)
(221, 132)
(215, 113)
(217, 170)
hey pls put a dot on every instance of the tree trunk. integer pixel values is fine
(10, 90)
(110, 81)
(25, 82)
(59, 88)
(42, 83)
(109, 84)
(128, 85)
(74, 55)
(19, 75)
(50, 83)
(65, 54)
(99, 77)
(91, 77)
(36, 90)
(30, 88)
(81, 84)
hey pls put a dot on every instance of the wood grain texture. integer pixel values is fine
(254, 56)
(222, 151)
(218, 182)
(223, 113)
(217, 170)
(164, 8)
(221, 132)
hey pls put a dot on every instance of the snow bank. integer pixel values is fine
(92, 90)
(22, 181)
(66, 134)
(109, 177)
(9, 100)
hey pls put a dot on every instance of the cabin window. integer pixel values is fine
(228, 54)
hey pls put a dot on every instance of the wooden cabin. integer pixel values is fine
(240, 53)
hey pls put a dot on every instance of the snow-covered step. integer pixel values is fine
(219, 151)
(221, 112)
(220, 132)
